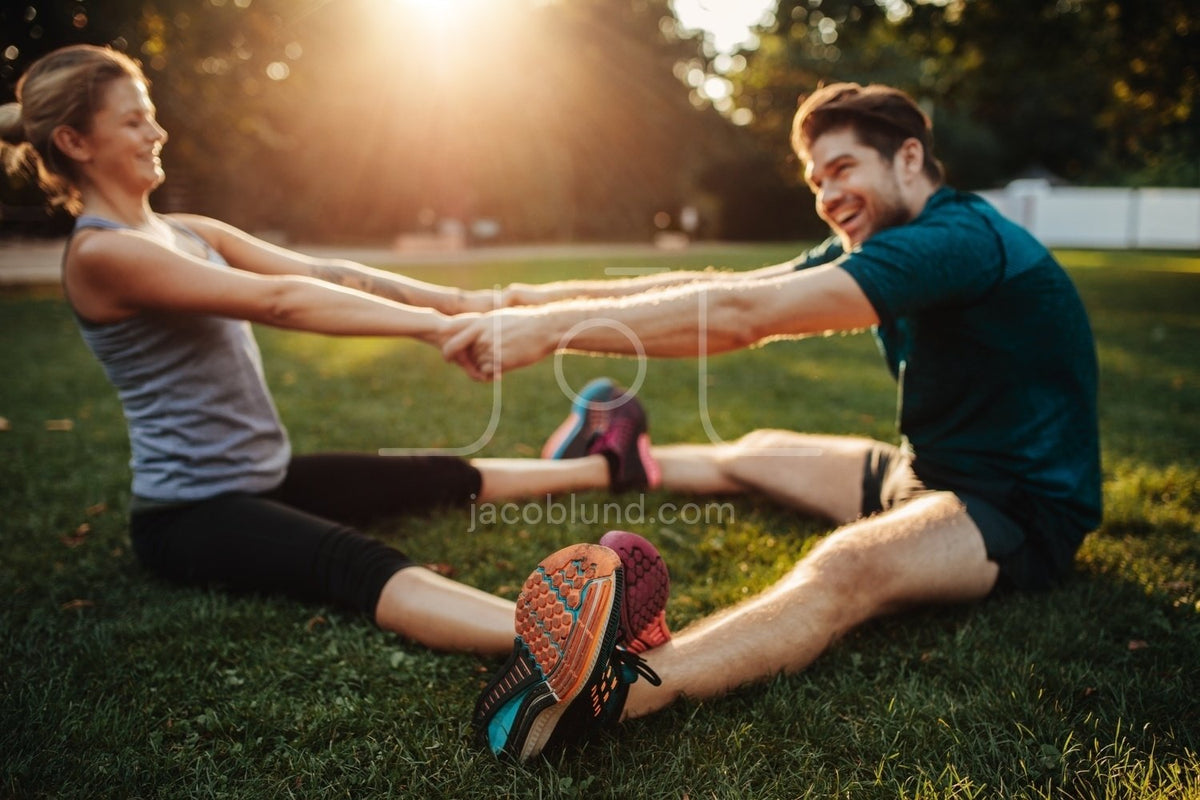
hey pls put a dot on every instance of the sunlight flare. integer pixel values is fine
(443, 12)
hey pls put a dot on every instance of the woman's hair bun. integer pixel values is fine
(12, 128)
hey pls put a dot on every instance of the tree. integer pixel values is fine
(210, 66)
(1095, 90)
(362, 118)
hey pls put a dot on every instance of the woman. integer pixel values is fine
(164, 303)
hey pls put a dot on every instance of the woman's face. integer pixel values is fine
(125, 140)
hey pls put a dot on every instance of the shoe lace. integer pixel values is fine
(629, 666)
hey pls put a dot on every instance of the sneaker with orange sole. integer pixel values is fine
(567, 622)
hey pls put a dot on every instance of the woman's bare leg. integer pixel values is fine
(515, 478)
(443, 614)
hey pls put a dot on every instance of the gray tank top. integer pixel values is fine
(201, 419)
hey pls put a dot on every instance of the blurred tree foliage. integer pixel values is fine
(1097, 91)
(566, 119)
(352, 119)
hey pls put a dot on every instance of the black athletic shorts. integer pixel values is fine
(298, 539)
(889, 480)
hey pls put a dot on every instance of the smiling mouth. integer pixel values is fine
(846, 217)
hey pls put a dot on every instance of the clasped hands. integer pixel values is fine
(489, 344)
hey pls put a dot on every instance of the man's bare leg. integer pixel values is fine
(927, 551)
(819, 474)
(816, 474)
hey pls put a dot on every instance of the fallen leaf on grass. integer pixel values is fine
(98, 508)
(73, 605)
(78, 537)
(5, 425)
(1138, 644)
(314, 622)
(60, 424)
(445, 570)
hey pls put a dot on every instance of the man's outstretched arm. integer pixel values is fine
(681, 321)
(530, 294)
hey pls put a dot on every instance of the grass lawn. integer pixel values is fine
(115, 685)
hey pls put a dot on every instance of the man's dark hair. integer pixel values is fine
(881, 117)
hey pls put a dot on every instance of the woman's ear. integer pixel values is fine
(71, 143)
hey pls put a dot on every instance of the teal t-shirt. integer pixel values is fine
(995, 360)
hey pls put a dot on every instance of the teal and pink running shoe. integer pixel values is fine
(582, 618)
(606, 420)
(588, 413)
(642, 626)
(567, 620)
(644, 600)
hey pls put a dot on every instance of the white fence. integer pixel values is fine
(1167, 219)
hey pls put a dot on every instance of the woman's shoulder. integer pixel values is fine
(208, 227)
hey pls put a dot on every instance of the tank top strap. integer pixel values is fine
(93, 221)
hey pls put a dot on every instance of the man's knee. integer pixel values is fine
(844, 565)
(742, 460)
(814, 473)
(728, 456)
(744, 454)
(923, 549)
(765, 439)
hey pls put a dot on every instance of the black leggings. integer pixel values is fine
(296, 539)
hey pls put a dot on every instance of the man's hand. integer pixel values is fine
(488, 345)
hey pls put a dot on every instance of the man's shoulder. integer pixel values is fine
(953, 225)
(941, 228)
(975, 217)
(957, 211)
(826, 252)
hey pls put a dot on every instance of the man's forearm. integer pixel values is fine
(671, 323)
(684, 321)
(519, 294)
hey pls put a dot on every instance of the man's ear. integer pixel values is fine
(71, 143)
(911, 157)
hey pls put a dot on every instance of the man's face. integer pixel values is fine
(858, 192)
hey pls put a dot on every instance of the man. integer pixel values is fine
(997, 479)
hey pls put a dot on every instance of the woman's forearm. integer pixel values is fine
(304, 304)
(393, 286)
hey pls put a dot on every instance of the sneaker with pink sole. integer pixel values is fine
(644, 597)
